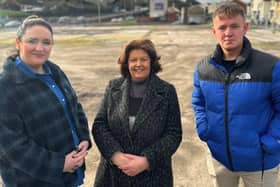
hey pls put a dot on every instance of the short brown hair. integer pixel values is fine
(229, 9)
(148, 47)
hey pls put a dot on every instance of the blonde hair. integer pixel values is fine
(229, 9)
(30, 21)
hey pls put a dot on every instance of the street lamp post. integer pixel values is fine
(99, 10)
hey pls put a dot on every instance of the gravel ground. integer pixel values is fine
(88, 56)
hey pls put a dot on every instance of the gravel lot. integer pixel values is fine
(88, 56)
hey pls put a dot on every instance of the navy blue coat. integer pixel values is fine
(156, 134)
(34, 131)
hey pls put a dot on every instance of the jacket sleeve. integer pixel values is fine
(271, 140)
(198, 104)
(21, 152)
(102, 135)
(82, 124)
(172, 136)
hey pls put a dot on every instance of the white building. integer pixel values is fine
(260, 11)
(158, 8)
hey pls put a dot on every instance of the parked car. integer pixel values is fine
(13, 23)
(64, 20)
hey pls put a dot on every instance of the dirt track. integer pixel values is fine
(88, 56)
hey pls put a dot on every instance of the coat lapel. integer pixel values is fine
(151, 100)
(120, 97)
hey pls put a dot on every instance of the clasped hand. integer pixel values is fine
(76, 158)
(130, 164)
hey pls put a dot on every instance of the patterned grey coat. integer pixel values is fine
(34, 131)
(156, 134)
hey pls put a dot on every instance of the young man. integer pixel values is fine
(236, 99)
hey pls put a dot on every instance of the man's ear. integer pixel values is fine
(213, 30)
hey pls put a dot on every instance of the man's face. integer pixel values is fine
(229, 32)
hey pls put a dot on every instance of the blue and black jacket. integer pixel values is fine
(238, 113)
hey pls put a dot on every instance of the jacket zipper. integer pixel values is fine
(227, 81)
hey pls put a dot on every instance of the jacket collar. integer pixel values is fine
(151, 100)
(27, 70)
(241, 59)
(15, 74)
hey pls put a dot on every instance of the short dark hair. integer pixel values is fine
(229, 9)
(148, 47)
(31, 21)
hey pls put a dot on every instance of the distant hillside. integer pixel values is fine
(51, 7)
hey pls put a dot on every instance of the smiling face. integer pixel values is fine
(229, 32)
(139, 65)
(35, 46)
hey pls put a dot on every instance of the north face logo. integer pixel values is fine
(244, 76)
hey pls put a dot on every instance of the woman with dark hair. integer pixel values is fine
(138, 127)
(44, 134)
